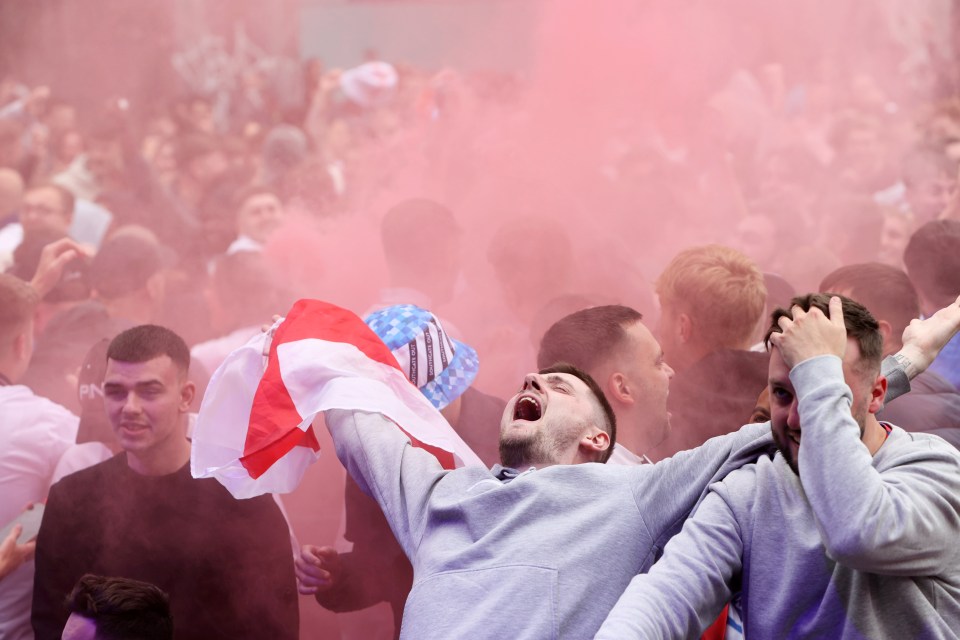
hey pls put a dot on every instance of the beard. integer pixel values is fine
(783, 442)
(524, 451)
(783, 446)
(545, 447)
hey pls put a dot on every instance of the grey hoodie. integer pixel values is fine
(530, 554)
(865, 547)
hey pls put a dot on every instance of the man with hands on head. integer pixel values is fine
(850, 535)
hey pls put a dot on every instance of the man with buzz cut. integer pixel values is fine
(141, 515)
(611, 343)
(849, 531)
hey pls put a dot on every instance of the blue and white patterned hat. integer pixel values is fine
(441, 367)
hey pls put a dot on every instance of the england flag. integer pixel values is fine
(255, 432)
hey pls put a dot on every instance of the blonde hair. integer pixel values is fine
(720, 289)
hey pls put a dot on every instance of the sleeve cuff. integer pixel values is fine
(814, 372)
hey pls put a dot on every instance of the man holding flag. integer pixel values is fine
(540, 546)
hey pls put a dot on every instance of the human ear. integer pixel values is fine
(685, 327)
(187, 391)
(877, 393)
(619, 388)
(886, 331)
(597, 442)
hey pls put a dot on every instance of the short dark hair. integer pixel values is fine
(884, 290)
(122, 609)
(587, 337)
(861, 325)
(932, 258)
(250, 191)
(149, 341)
(611, 418)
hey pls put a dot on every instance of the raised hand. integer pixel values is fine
(923, 339)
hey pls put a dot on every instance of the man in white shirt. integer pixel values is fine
(34, 434)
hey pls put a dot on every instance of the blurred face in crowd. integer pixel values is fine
(44, 210)
(71, 146)
(208, 167)
(259, 216)
(894, 236)
(105, 159)
(61, 117)
(146, 403)
(929, 196)
(199, 115)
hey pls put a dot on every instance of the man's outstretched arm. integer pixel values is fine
(667, 491)
(388, 468)
(688, 587)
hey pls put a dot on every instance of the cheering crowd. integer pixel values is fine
(623, 344)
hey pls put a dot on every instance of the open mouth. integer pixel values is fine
(795, 436)
(527, 408)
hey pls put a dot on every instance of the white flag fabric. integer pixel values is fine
(255, 432)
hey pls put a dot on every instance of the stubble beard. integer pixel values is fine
(521, 452)
(784, 447)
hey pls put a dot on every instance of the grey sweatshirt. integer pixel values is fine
(866, 547)
(530, 554)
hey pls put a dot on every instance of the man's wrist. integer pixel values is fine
(908, 358)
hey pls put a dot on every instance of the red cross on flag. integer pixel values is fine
(255, 429)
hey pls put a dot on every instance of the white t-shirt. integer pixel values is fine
(34, 433)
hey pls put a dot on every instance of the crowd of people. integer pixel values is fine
(693, 291)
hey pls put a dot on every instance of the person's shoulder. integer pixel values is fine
(110, 469)
(743, 480)
(87, 486)
(602, 476)
(14, 396)
(750, 490)
(34, 423)
(914, 447)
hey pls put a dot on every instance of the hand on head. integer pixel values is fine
(811, 333)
